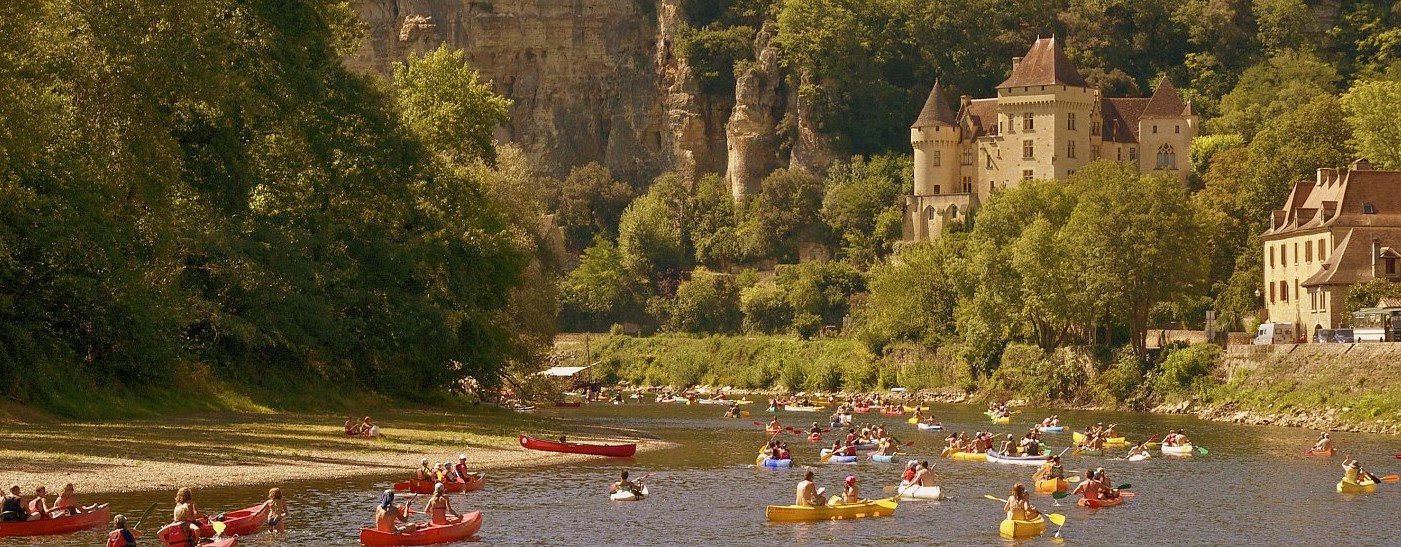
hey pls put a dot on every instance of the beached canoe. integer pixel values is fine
(99, 517)
(1051, 428)
(1181, 450)
(243, 522)
(908, 492)
(426, 487)
(933, 427)
(615, 450)
(426, 534)
(1051, 486)
(1022, 529)
(1096, 504)
(882, 459)
(629, 496)
(967, 456)
(1364, 486)
(1325, 453)
(997, 457)
(807, 513)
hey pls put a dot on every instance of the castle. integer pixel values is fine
(1045, 123)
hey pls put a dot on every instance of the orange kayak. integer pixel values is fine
(242, 522)
(96, 518)
(1095, 504)
(426, 534)
(1325, 453)
(426, 487)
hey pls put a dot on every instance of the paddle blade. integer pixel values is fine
(758, 423)
(827, 456)
(1391, 478)
(993, 498)
(1056, 519)
(1124, 487)
(1060, 495)
(1202, 450)
(218, 526)
(744, 413)
(1073, 478)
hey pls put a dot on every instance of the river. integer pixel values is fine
(1254, 487)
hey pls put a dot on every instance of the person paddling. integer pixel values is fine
(67, 503)
(850, 493)
(12, 508)
(120, 536)
(1018, 507)
(1088, 488)
(625, 485)
(1140, 448)
(1323, 444)
(388, 515)
(1050, 470)
(438, 506)
(1354, 473)
(924, 476)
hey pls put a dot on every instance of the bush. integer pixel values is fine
(1121, 383)
(1186, 371)
(807, 325)
(766, 309)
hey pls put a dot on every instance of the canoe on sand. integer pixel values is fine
(615, 450)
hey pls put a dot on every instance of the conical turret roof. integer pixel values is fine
(1045, 64)
(936, 109)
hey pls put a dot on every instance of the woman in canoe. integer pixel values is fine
(438, 506)
(462, 473)
(185, 506)
(120, 536)
(911, 469)
(1018, 507)
(815, 431)
(850, 494)
(67, 503)
(12, 508)
(780, 451)
(388, 515)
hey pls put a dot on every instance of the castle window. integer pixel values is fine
(1391, 266)
(1308, 253)
(967, 157)
(1070, 149)
(932, 215)
(1272, 257)
(1155, 129)
(1369, 209)
(989, 160)
(1119, 154)
(1028, 149)
(1176, 128)
(967, 185)
(1027, 174)
(1133, 153)
(1272, 293)
(1070, 121)
(1094, 151)
(938, 158)
(1028, 122)
(1167, 157)
(936, 188)
(1094, 128)
(1322, 254)
(1284, 291)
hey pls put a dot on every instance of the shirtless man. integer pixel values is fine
(924, 476)
(388, 515)
(1008, 446)
(1089, 488)
(1324, 443)
(808, 493)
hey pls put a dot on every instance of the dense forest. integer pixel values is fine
(202, 189)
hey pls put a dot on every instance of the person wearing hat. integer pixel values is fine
(1055, 420)
(850, 494)
(425, 472)
(461, 469)
(388, 515)
(1008, 446)
(1324, 443)
(809, 493)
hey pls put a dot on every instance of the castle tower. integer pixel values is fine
(938, 199)
(1047, 113)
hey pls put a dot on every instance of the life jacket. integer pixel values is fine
(119, 539)
(37, 507)
(178, 534)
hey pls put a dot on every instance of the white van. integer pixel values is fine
(1275, 333)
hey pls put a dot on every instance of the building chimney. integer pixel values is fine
(964, 101)
(1362, 164)
(1016, 61)
(1326, 175)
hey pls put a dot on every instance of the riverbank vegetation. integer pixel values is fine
(200, 190)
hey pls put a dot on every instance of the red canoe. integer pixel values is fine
(426, 534)
(242, 522)
(97, 518)
(614, 450)
(170, 533)
(426, 487)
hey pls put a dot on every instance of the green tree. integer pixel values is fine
(1374, 112)
(590, 203)
(712, 224)
(600, 291)
(442, 101)
(862, 205)
(651, 234)
(1206, 147)
(708, 302)
(1369, 293)
(766, 309)
(1283, 24)
(784, 215)
(712, 52)
(913, 296)
(1271, 89)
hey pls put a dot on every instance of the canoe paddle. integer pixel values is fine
(1202, 450)
(1058, 520)
(143, 516)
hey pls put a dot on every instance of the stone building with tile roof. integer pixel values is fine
(1340, 229)
(1045, 123)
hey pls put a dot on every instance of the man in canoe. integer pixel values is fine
(38, 508)
(425, 472)
(67, 503)
(1140, 448)
(388, 515)
(1050, 470)
(12, 508)
(809, 493)
(1008, 447)
(1106, 490)
(461, 468)
(924, 475)
(1324, 443)
(774, 425)
(1030, 445)
(625, 485)
(1090, 488)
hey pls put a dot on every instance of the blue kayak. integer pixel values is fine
(880, 458)
(770, 462)
(842, 459)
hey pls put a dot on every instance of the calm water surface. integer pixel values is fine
(1254, 488)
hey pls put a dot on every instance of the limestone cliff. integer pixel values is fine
(595, 80)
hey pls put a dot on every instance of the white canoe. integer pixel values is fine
(629, 496)
(996, 457)
(1138, 457)
(927, 427)
(1182, 450)
(920, 492)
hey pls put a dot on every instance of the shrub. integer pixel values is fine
(1186, 371)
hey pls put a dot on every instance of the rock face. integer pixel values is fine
(600, 80)
(582, 73)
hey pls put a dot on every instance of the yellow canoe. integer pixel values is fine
(967, 456)
(1080, 437)
(807, 513)
(1002, 420)
(1051, 486)
(1345, 487)
(1022, 529)
(909, 408)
